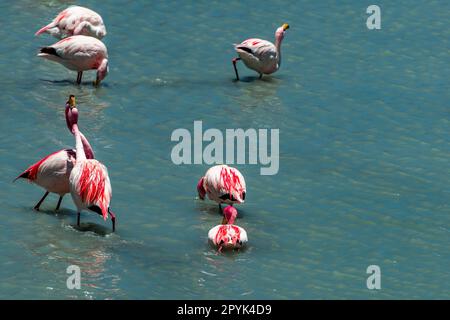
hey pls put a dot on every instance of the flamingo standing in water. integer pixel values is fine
(52, 172)
(222, 184)
(89, 182)
(75, 20)
(227, 235)
(261, 55)
(79, 53)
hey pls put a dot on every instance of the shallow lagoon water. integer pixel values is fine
(363, 118)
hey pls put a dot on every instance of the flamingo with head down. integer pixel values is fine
(222, 184)
(227, 235)
(79, 53)
(75, 20)
(52, 172)
(261, 55)
(89, 182)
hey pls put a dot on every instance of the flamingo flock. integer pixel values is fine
(79, 48)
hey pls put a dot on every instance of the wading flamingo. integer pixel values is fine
(79, 53)
(52, 172)
(260, 55)
(227, 235)
(222, 184)
(89, 181)
(75, 20)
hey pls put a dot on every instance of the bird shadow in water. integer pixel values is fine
(66, 82)
(99, 230)
(249, 79)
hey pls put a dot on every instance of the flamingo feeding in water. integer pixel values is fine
(52, 172)
(261, 55)
(227, 235)
(75, 20)
(222, 184)
(89, 182)
(79, 53)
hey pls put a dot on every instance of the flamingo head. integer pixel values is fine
(102, 72)
(279, 34)
(229, 215)
(201, 189)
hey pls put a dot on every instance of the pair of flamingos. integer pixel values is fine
(82, 50)
(75, 171)
(224, 184)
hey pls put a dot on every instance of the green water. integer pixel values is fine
(364, 166)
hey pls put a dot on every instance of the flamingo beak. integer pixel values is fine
(72, 101)
(285, 26)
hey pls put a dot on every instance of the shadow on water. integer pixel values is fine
(93, 227)
(67, 82)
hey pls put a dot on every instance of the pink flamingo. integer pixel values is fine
(52, 172)
(79, 53)
(75, 20)
(89, 182)
(227, 235)
(222, 184)
(260, 55)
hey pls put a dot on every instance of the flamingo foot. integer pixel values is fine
(36, 207)
(235, 69)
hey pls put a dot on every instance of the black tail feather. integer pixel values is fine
(49, 50)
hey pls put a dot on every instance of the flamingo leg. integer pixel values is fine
(235, 69)
(78, 219)
(260, 75)
(36, 207)
(113, 219)
(79, 76)
(220, 208)
(59, 203)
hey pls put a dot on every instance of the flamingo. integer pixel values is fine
(89, 182)
(79, 53)
(261, 55)
(52, 172)
(222, 184)
(75, 20)
(227, 235)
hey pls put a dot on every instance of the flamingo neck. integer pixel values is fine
(79, 143)
(278, 39)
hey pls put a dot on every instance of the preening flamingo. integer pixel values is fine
(260, 55)
(52, 172)
(222, 184)
(75, 20)
(79, 53)
(89, 182)
(227, 235)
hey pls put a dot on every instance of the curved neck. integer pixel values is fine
(278, 40)
(79, 143)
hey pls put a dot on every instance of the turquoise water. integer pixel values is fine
(364, 167)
